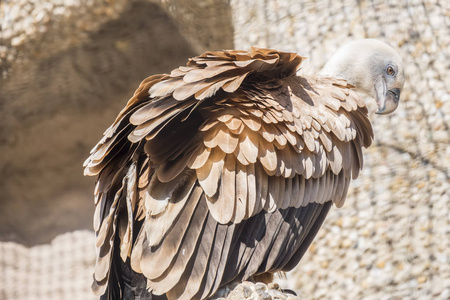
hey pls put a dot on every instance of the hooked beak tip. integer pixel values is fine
(389, 103)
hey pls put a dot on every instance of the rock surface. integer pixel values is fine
(391, 240)
(68, 67)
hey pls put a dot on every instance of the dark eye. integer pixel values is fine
(390, 70)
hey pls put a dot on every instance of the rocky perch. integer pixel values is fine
(255, 291)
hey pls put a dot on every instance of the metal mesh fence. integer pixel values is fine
(59, 270)
(391, 240)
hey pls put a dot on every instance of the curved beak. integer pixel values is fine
(387, 100)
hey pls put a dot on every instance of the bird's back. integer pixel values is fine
(222, 170)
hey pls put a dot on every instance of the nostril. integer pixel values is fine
(396, 93)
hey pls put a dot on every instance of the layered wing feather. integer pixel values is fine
(221, 170)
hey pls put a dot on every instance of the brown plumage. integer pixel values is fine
(222, 170)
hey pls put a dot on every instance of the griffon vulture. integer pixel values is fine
(225, 169)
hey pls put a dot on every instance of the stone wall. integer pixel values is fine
(391, 240)
(68, 66)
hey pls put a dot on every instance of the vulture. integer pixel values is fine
(225, 169)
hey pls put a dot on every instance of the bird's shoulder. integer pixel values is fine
(239, 108)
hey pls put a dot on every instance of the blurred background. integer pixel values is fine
(67, 67)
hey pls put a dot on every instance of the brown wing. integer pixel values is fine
(226, 170)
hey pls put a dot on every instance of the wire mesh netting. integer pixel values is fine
(391, 240)
(59, 270)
